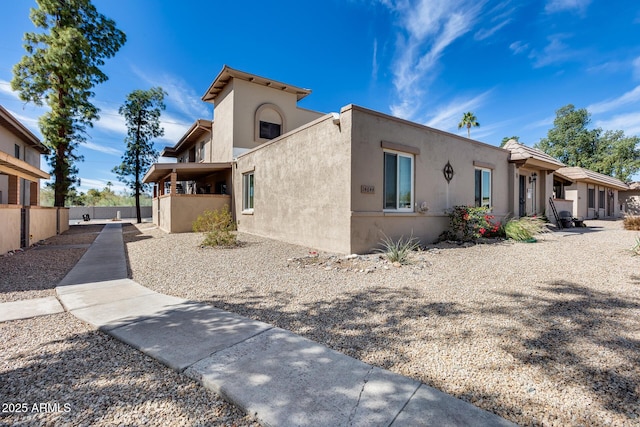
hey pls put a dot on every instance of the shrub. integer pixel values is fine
(399, 250)
(631, 222)
(471, 222)
(635, 250)
(525, 228)
(218, 226)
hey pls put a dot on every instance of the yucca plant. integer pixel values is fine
(398, 250)
(636, 247)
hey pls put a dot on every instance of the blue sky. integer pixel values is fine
(513, 63)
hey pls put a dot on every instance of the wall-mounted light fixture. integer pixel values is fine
(448, 172)
(533, 177)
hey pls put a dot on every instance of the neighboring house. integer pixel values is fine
(338, 182)
(22, 221)
(535, 182)
(594, 195)
(630, 199)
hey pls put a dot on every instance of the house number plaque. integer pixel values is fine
(367, 189)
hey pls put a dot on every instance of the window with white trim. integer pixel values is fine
(483, 187)
(398, 181)
(247, 191)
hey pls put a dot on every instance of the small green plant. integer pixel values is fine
(524, 229)
(218, 226)
(398, 250)
(631, 222)
(635, 250)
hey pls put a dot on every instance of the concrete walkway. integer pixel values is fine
(281, 378)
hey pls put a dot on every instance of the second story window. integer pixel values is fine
(269, 130)
(17, 151)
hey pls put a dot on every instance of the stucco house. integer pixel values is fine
(593, 194)
(340, 181)
(630, 199)
(22, 220)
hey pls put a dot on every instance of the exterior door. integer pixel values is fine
(522, 196)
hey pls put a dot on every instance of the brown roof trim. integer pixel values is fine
(227, 73)
(21, 131)
(585, 175)
(192, 135)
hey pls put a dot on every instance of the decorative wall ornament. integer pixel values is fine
(448, 172)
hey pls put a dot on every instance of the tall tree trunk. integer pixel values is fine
(60, 186)
(137, 152)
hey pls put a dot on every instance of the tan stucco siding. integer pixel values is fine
(436, 148)
(578, 192)
(9, 140)
(9, 228)
(301, 187)
(176, 213)
(42, 223)
(221, 144)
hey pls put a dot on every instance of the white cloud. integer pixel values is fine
(180, 96)
(518, 47)
(630, 97)
(5, 88)
(636, 68)
(101, 148)
(629, 123)
(554, 52)
(111, 121)
(448, 116)
(485, 33)
(579, 6)
(99, 184)
(374, 61)
(430, 26)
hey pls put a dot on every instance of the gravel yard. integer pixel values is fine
(76, 375)
(542, 334)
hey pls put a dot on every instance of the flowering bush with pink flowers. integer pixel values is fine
(471, 223)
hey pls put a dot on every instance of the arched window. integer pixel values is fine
(269, 122)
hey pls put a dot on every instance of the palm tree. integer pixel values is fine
(468, 119)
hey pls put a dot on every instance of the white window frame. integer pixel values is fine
(482, 170)
(248, 192)
(399, 155)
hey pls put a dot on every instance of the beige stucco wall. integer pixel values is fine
(9, 228)
(578, 192)
(42, 223)
(221, 144)
(301, 187)
(177, 212)
(235, 112)
(369, 222)
(63, 222)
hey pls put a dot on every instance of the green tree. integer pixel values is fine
(569, 140)
(468, 120)
(607, 152)
(619, 155)
(141, 111)
(61, 67)
(508, 138)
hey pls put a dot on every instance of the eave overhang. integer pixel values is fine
(184, 171)
(227, 74)
(11, 166)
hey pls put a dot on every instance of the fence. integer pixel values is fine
(107, 212)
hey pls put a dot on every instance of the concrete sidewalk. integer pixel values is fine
(277, 376)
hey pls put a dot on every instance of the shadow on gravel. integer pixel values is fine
(42, 269)
(581, 338)
(354, 332)
(88, 378)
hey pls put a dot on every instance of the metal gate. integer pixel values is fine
(24, 228)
